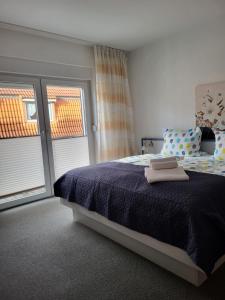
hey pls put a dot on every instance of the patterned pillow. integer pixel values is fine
(182, 142)
(219, 152)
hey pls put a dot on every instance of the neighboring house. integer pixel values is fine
(18, 114)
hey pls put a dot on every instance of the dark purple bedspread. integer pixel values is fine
(189, 215)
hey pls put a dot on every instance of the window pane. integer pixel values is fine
(65, 111)
(22, 172)
(31, 111)
(16, 113)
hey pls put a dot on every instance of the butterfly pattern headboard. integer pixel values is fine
(210, 105)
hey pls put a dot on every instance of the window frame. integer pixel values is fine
(35, 82)
(29, 101)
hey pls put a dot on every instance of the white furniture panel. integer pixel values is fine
(165, 255)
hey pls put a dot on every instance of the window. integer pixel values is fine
(31, 110)
(18, 111)
(51, 110)
(65, 106)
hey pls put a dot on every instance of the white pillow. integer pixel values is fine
(179, 142)
(219, 152)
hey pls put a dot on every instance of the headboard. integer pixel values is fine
(207, 134)
(154, 145)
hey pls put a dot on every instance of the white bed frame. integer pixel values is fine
(168, 257)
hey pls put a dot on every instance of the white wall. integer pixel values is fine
(164, 74)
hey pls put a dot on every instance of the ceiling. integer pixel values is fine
(125, 24)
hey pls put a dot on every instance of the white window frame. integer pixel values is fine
(29, 100)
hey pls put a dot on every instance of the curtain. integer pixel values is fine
(115, 134)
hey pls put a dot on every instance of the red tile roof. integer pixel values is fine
(67, 120)
(12, 121)
(53, 92)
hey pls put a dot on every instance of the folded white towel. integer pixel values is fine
(163, 163)
(175, 174)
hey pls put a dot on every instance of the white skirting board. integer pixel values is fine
(167, 256)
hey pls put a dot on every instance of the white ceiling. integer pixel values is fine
(125, 24)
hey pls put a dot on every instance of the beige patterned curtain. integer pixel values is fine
(115, 135)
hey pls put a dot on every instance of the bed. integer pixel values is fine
(178, 225)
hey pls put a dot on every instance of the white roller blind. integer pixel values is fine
(21, 165)
(70, 153)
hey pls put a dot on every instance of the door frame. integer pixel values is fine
(35, 82)
(39, 82)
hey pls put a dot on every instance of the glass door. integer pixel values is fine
(68, 122)
(24, 163)
(45, 130)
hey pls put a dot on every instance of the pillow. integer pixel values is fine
(219, 152)
(179, 142)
